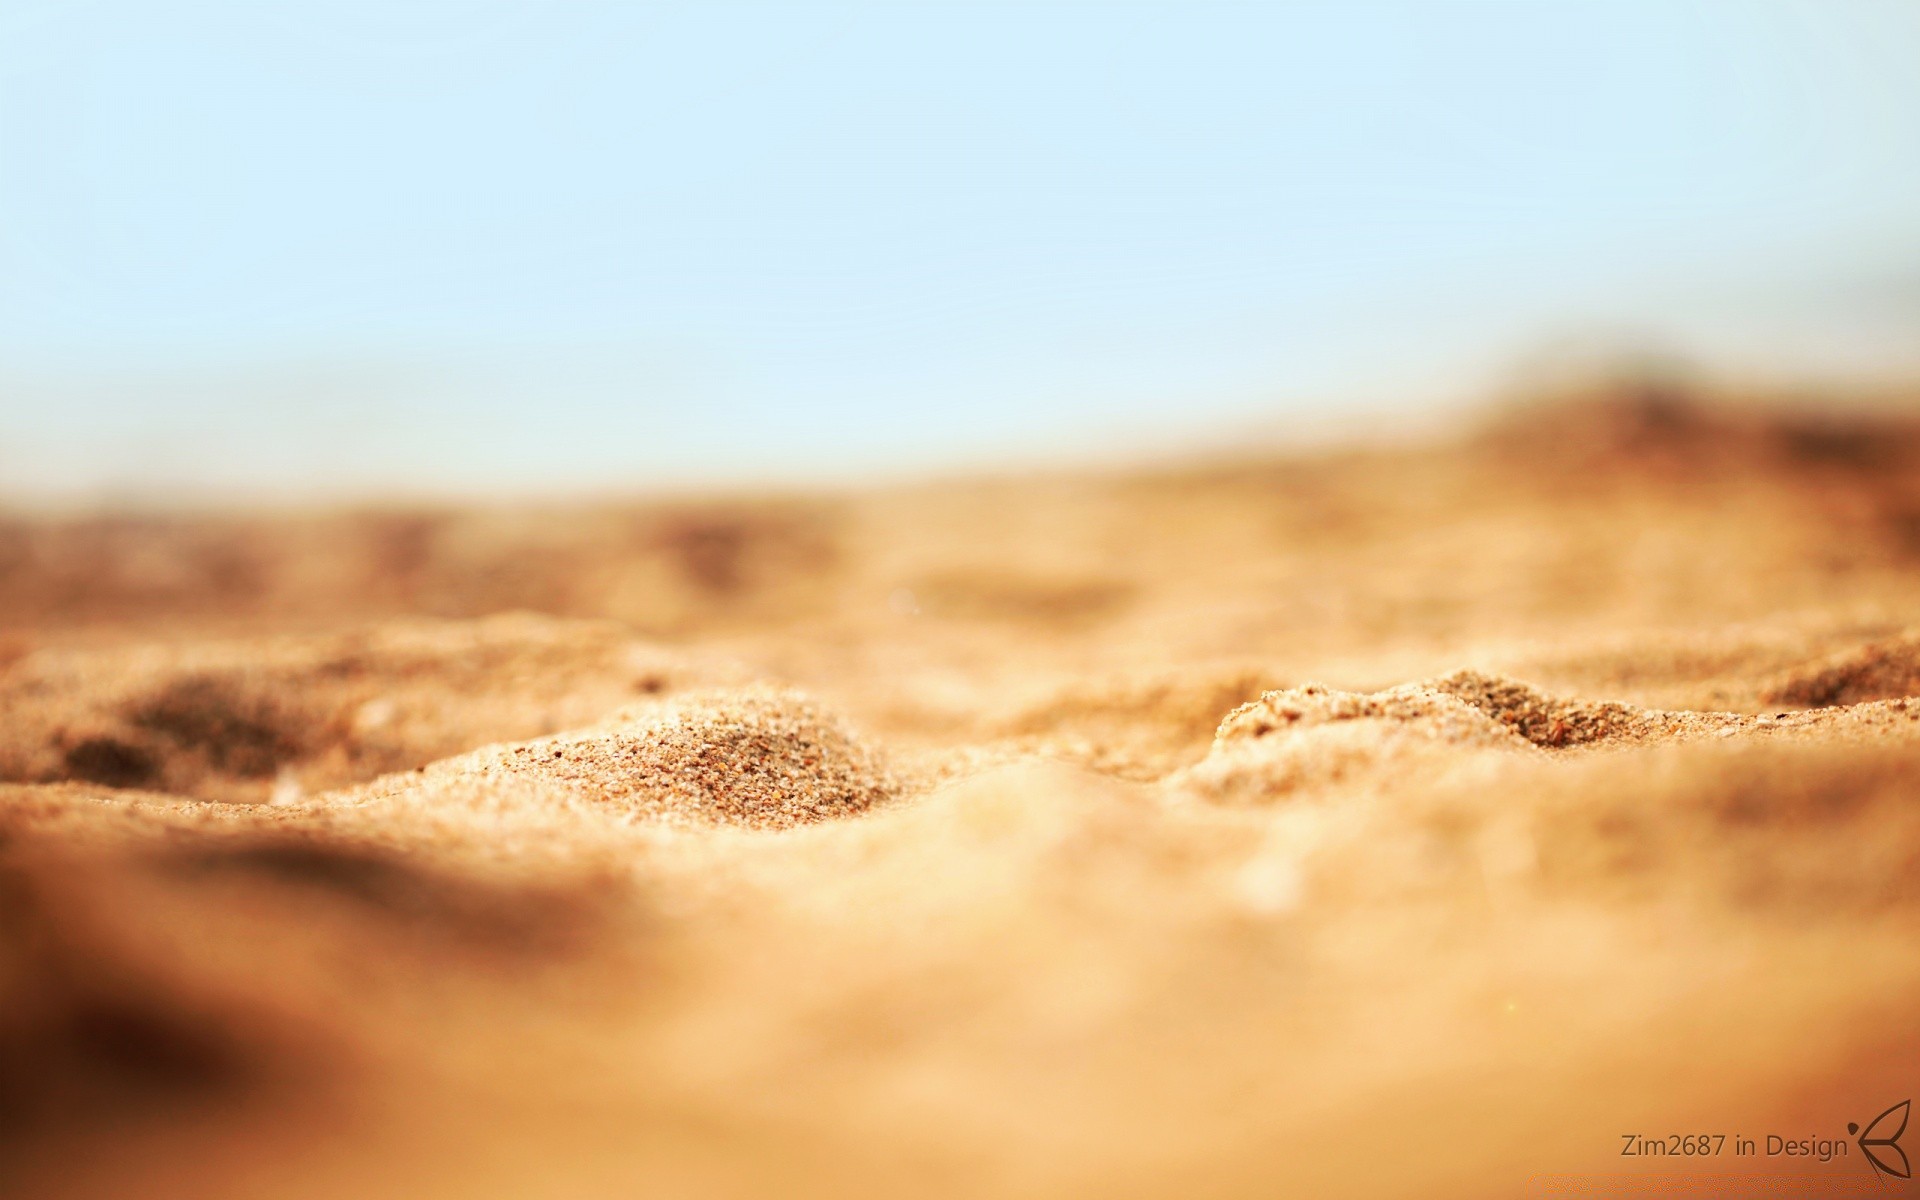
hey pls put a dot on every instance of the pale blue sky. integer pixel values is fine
(415, 246)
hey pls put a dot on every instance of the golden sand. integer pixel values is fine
(1373, 823)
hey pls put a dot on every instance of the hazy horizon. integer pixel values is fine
(417, 248)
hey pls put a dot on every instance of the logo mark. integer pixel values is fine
(1882, 1145)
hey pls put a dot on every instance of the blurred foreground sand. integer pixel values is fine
(916, 842)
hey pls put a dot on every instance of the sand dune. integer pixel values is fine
(1408, 823)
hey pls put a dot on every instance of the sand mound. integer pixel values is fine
(1562, 723)
(1415, 708)
(1316, 738)
(1884, 670)
(1553, 723)
(763, 758)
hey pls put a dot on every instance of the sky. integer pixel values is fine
(415, 247)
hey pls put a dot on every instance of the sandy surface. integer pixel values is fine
(1389, 823)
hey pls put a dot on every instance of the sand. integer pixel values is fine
(1371, 822)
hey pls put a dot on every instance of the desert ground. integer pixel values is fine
(1389, 821)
